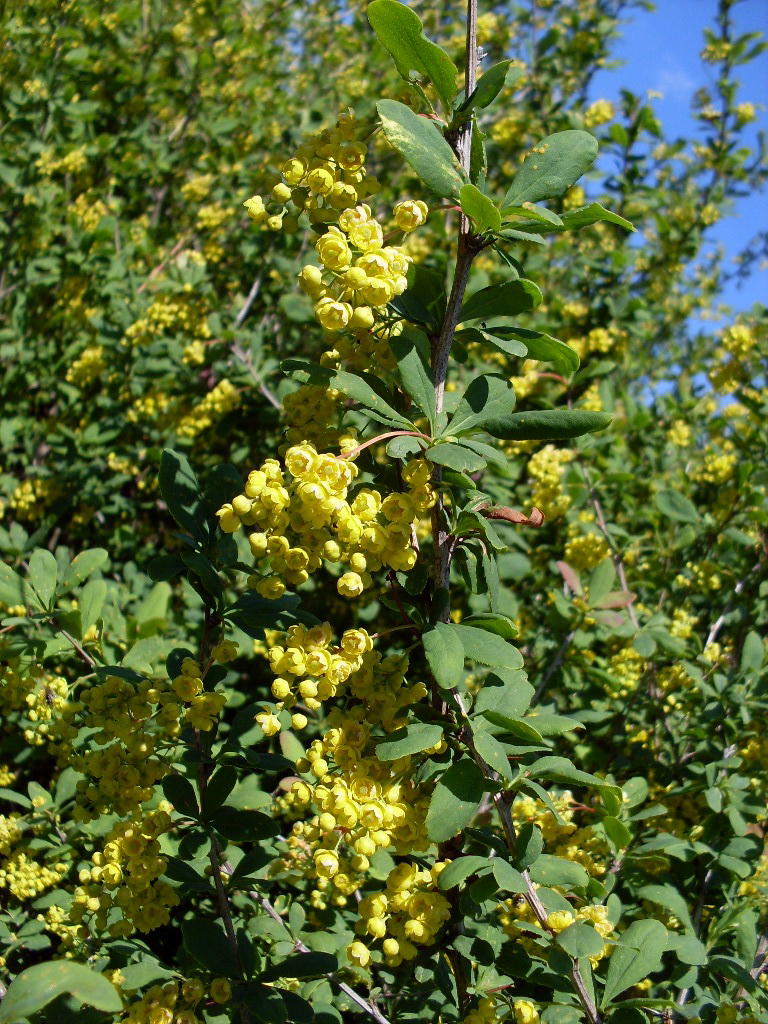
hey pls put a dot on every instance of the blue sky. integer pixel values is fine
(660, 50)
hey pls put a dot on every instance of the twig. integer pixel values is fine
(616, 553)
(364, 1005)
(719, 622)
(502, 802)
(161, 266)
(83, 654)
(557, 661)
(255, 287)
(247, 361)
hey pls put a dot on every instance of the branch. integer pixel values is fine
(365, 1006)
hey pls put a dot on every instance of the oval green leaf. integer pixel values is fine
(422, 146)
(551, 167)
(37, 986)
(454, 800)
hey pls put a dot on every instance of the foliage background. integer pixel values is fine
(141, 311)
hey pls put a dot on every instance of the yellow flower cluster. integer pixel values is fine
(407, 914)
(176, 1002)
(197, 188)
(361, 275)
(626, 668)
(88, 367)
(126, 874)
(300, 861)
(586, 550)
(381, 687)
(545, 468)
(716, 467)
(580, 845)
(31, 497)
(194, 353)
(180, 313)
(71, 163)
(313, 413)
(222, 399)
(302, 516)
(517, 913)
(56, 921)
(367, 804)
(123, 766)
(487, 1011)
(310, 668)
(599, 112)
(324, 176)
(679, 434)
(23, 876)
(89, 210)
(38, 694)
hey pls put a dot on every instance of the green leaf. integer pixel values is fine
(509, 878)
(37, 986)
(509, 346)
(266, 1004)
(752, 653)
(543, 347)
(549, 870)
(411, 739)
(580, 939)
(43, 575)
(490, 85)
(493, 622)
(455, 456)
(551, 167)
(82, 566)
(12, 586)
(480, 209)
(206, 941)
(592, 214)
(459, 869)
(404, 447)
(507, 299)
(181, 793)
(240, 826)
(505, 692)
(422, 146)
(301, 965)
(12, 797)
(618, 834)
(413, 366)
(454, 800)
(90, 602)
(601, 581)
(492, 752)
(400, 32)
(668, 897)
(560, 769)
(487, 404)
(638, 955)
(487, 648)
(356, 386)
(530, 843)
(547, 724)
(444, 654)
(181, 493)
(691, 950)
(675, 505)
(551, 424)
(218, 788)
(540, 214)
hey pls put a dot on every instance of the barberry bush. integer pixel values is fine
(384, 584)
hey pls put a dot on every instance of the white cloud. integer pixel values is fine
(675, 84)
